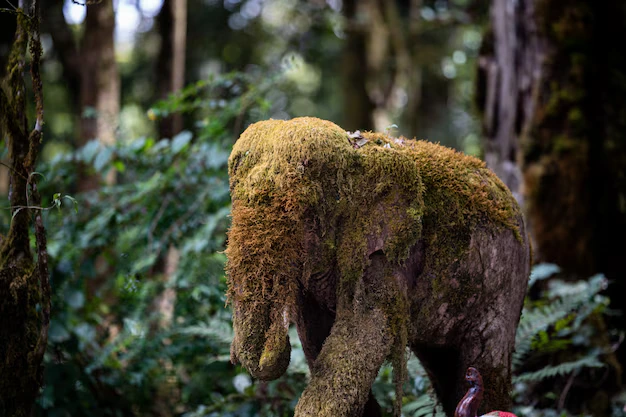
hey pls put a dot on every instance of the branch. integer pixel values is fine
(34, 140)
(42, 266)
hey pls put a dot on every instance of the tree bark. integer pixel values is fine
(7, 33)
(551, 87)
(65, 48)
(24, 285)
(510, 67)
(171, 62)
(358, 106)
(91, 73)
(99, 82)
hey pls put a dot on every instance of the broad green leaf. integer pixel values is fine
(180, 141)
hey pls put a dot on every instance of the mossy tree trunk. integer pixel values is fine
(24, 286)
(7, 32)
(552, 86)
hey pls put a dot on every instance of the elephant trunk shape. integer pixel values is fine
(265, 354)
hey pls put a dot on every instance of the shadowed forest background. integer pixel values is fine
(144, 99)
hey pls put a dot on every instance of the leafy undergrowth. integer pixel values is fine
(139, 326)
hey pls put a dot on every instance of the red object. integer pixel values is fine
(468, 406)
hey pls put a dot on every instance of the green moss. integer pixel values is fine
(305, 193)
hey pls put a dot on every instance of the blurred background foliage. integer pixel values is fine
(139, 324)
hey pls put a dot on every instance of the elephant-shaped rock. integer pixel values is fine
(371, 244)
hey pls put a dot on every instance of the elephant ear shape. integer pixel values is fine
(278, 170)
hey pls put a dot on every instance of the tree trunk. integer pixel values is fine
(358, 106)
(7, 33)
(171, 62)
(509, 69)
(24, 286)
(65, 48)
(170, 78)
(551, 88)
(99, 82)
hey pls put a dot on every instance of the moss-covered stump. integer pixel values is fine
(370, 244)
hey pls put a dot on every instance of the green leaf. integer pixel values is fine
(103, 158)
(119, 166)
(88, 152)
(73, 200)
(180, 141)
(144, 263)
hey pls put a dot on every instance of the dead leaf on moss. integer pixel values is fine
(360, 140)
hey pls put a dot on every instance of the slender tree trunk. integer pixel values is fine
(170, 77)
(24, 285)
(171, 62)
(7, 33)
(99, 82)
(91, 73)
(414, 83)
(510, 67)
(382, 67)
(358, 107)
(65, 49)
(552, 88)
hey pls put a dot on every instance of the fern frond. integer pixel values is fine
(541, 272)
(571, 302)
(216, 330)
(560, 369)
(424, 405)
(532, 323)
